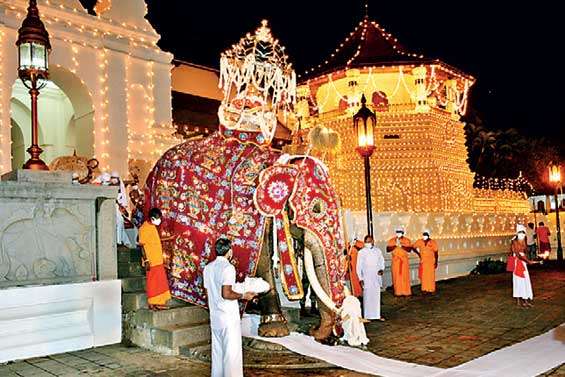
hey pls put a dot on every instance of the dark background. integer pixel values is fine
(514, 50)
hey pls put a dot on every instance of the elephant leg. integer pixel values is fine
(327, 316)
(273, 322)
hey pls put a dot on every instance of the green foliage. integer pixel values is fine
(489, 267)
(496, 153)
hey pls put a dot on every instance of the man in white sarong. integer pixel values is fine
(370, 269)
(219, 280)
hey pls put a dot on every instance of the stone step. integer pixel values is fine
(125, 254)
(133, 284)
(199, 350)
(133, 301)
(184, 315)
(130, 269)
(175, 336)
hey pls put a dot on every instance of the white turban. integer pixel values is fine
(520, 228)
(400, 228)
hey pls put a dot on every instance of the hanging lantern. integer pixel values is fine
(364, 122)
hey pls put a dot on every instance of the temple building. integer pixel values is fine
(109, 94)
(419, 164)
(420, 178)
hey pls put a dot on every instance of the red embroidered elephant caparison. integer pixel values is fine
(205, 189)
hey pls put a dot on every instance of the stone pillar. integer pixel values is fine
(106, 261)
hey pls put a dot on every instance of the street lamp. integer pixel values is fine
(555, 177)
(33, 69)
(364, 122)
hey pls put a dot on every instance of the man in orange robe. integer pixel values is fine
(353, 253)
(400, 246)
(427, 249)
(157, 286)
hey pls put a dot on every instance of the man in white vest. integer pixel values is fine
(370, 269)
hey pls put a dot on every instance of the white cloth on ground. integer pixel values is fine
(369, 262)
(529, 358)
(353, 328)
(522, 286)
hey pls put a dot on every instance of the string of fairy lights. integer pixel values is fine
(87, 33)
(2, 84)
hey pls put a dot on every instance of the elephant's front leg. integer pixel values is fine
(273, 322)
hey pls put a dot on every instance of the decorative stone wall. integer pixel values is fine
(48, 230)
(58, 265)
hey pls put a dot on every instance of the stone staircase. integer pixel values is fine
(165, 331)
(182, 329)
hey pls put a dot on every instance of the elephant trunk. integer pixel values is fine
(315, 268)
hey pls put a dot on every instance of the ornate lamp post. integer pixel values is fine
(364, 122)
(33, 66)
(555, 177)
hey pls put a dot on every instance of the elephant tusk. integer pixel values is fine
(314, 283)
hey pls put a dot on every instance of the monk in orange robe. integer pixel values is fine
(353, 253)
(157, 285)
(427, 249)
(400, 246)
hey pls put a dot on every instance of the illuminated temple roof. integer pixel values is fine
(369, 44)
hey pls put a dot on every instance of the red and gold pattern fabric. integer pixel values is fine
(205, 189)
(276, 185)
(315, 207)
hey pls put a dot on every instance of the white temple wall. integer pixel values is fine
(106, 56)
(463, 238)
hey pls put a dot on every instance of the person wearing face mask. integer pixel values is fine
(521, 285)
(219, 281)
(157, 285)
(370, 269)
(427, 249)
(400, 246)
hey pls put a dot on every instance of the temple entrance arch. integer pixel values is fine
(65, 117)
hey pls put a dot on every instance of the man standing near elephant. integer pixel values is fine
(370, 268)
(400, 246)
(219, 279)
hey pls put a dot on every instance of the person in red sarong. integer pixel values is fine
(543, 234)
(157, 286)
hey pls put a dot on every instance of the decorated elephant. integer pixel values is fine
(233, 184)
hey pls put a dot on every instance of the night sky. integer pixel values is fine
(513, 51)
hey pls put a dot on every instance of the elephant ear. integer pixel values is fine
(276, 185)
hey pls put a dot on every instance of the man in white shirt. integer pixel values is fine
(370, 269)
(219, 279)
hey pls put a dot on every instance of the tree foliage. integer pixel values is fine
(506, 153)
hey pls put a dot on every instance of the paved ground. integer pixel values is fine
(469, 317)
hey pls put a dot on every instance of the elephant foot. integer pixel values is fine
(322, 332)
(273, 326)
(273, 329)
